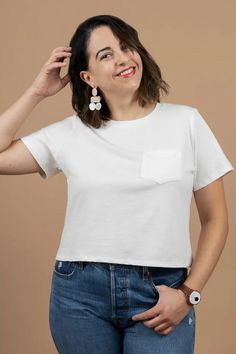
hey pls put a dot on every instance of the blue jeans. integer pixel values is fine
(91, 305)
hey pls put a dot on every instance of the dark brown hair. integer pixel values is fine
(151, 83)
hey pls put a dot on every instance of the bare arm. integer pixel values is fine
(213, 214)
(12, 119)
(15, 158)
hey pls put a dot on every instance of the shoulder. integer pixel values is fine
(178, 109)
(57, 133)
(179, 115)
(62, 126)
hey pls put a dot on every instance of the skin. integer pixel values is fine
(171, 307)
(118, 92)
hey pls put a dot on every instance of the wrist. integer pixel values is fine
(183, 296)
(33, 95)
(192, 296)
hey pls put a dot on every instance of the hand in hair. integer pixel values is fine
(48, 82)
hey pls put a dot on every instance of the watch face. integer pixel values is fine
(195, 297)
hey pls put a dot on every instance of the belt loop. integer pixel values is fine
(81, 265)
(145, 272)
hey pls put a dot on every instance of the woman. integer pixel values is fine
(120, 281)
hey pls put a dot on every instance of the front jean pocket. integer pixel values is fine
(161, 165)
(64, 269)
(172, 277)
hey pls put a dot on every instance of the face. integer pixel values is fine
(105, 64)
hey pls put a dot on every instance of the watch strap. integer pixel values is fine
(187, 292)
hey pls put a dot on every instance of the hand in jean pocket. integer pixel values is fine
(169, 311)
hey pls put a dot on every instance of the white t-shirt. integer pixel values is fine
(130, 183)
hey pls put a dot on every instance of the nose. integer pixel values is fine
(121, 58)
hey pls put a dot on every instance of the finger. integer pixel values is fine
(154, 322)
(65, 80)
(59, 49)
(145, 315)
(161, 326)
(166, 330)
(55, 65)
(59, 56)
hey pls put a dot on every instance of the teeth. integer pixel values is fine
(126, 71)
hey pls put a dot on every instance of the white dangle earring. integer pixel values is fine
(95, 100)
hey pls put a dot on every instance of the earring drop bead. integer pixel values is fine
(92, 106)
(94, 91)
(95, 100)
(98, 106)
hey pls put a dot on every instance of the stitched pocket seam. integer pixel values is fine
(65, 275)
(148, 160)
(171, 285)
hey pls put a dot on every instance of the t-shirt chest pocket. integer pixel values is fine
(161, 165)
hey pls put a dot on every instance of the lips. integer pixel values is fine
(125, 70)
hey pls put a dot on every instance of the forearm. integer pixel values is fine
(13, 118)
(211, 242)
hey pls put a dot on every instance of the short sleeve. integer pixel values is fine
(209, 158)
(40, 145)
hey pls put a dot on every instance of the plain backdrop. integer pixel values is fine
(194, 45)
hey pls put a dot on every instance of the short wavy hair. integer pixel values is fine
(151, 82)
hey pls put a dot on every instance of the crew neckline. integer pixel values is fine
(136, 120)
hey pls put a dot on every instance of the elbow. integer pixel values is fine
(220, 223)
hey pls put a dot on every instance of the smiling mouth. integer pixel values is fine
(130, 72)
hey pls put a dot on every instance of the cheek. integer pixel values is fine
(138, 60)
(105, 74)
(106, 69)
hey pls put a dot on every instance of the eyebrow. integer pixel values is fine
(101, 50)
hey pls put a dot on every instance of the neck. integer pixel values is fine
(128, 110)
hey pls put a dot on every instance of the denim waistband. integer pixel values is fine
(144, 269)
(110, 265)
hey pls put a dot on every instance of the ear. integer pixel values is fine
(85, 76)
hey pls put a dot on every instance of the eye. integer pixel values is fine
(105, 55)
(127, 47)
(124, 46)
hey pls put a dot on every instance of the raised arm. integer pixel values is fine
(15, 158)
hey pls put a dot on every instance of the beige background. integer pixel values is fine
(193, 43)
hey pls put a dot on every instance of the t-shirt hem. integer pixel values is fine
(125, 262)
(214, 177)
(35, 155)
(40, 160)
